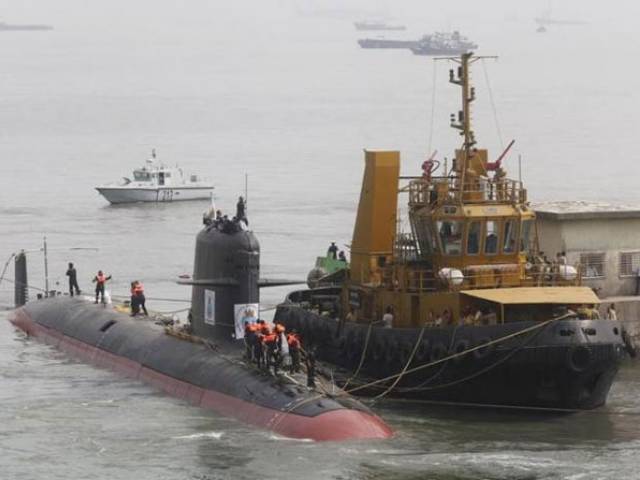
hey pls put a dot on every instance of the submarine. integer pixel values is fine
(202, 363)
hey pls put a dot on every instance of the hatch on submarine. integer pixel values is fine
(204, 363)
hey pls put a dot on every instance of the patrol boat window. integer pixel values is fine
(141, 176)
(509, 245)
(491, 238)
(450, 232)
(473, 238)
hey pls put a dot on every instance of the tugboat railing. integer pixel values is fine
(415, 280)
(440, 190)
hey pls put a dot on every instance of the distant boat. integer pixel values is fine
(386, 43)
(7, 27)
(441, 43)
(377, 26)
(155, 182)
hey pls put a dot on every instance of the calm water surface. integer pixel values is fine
(282, 93)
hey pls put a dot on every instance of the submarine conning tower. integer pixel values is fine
(226, 275)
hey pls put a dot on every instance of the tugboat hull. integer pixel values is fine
(211, 378)
(568, 364)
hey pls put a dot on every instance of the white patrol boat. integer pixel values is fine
(155, 182)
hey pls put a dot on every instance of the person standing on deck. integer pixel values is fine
(100, 279)
(332, 252)
(73, 280)
(138, 293)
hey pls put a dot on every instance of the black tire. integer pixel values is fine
(459, 347)
(438, 352)
(579, 358)
(483, 352)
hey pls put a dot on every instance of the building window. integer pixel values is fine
(629, 264)
(592, 265)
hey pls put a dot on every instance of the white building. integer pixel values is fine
(603, 239)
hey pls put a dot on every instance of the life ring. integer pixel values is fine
(629, 344)
(354, 348)
(438, 352)
(422, 354)
(459, 347)
(484, 351)
(377, 348)
(579, 358)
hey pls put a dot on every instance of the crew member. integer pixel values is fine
(73, 280)
(310, 361)
(138, 293)
(387, 318)
(282, 349)
(241, 210)
(333, 251)
(342, 257)
(250, 330)
(269, 347)
(294, 350)
(135, 306)
(100, 279)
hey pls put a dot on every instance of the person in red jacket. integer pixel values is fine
(294, 350)
(138, 295)
(100, 280)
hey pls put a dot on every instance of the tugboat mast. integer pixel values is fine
(463, 122)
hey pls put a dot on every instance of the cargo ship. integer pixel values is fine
(202, 361)
(8, 27)
(459, 306)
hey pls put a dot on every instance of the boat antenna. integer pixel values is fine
(246, 194)
(46, 268)
(463, 121)
(433, 106)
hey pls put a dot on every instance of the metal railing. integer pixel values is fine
(448, 190)
(403, 278)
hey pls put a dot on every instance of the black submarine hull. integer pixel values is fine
(211, 376)
(566, 365)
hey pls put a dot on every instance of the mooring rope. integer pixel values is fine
(460, 354)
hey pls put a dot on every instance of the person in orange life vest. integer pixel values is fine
(135, 307)
(250, 338)
(270, 344)
(265, 329)
(100, 279)
(294, 350)
(138, 295)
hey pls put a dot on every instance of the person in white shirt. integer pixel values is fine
(387, 318)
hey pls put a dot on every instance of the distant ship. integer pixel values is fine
(7, 27)
(386, 43)
(377, 26)
(441, 43)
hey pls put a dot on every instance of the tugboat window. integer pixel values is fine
(526, 234)
(509, 237)
(473, 238)
(450, 232)
(491, 240)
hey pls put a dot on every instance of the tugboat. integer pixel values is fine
(460, 306)
(202, 362)
(155, 182)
